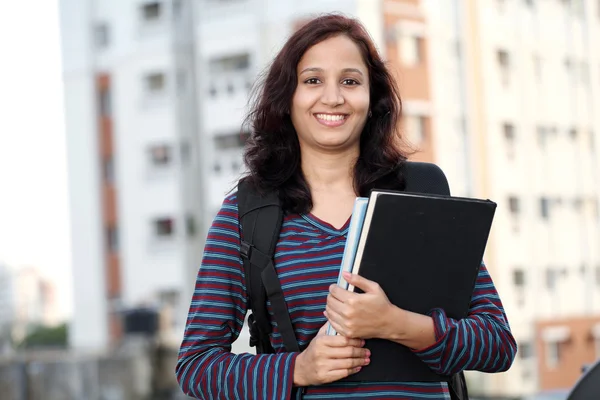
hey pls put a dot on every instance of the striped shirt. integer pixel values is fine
(307, 259)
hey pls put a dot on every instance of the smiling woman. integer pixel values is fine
(323, 131)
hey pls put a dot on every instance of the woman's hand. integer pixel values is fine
(359, 315)
(329, 358)
(371, 315)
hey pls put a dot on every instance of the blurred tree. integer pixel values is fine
(43, 336)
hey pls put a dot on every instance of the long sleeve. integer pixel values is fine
(482, 341)
(206, 368)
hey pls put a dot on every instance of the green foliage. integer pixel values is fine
(44, 336)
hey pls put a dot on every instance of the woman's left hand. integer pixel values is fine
(359, 315)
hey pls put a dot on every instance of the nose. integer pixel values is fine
(332, 95)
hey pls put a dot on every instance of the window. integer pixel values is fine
(151, 12)
(185, 152)
(108, 170)
(163, 227)
(101, 36)
(236, 62)
(416, 129)
(190, 225)
(525, 350)
(112, 239)
(411, 50)
(231, 141)
(553, 354)
(181, 80)
(504, 65)
(578, 204)
(513, 205)
(155, 83)
(545, 207)
(509, 132)
(569, 68)
(542, 135)
(551, 275)
(104, 102)
(519, 278)
(573, 133)
(160, 155)
(509, 135)
(177, 8)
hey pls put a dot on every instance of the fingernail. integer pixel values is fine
(358, 369)
(367, 361)
(347, 275)
(362, 343)
(368, 353)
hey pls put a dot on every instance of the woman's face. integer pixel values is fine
(331, 101)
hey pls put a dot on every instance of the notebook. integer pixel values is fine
(354, 229)
(425, 252)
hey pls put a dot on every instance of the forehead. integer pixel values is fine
(338, 52)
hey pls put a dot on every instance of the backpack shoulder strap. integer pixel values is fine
(422, 177)
(260, 218)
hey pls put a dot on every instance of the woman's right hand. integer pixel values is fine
(329, 358)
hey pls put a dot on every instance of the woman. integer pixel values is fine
(323, 132)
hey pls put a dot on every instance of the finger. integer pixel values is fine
(337, 303)
(341, 374)
(323, 329)
(336, 321)
(336, 308)
(339, 294)
(347, 363)
(364, 284)
(342, 353)
(342, 341)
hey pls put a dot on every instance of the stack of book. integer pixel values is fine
(425, 252)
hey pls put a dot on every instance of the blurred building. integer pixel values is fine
(155, 95)
(519, 81)
(27, 300)
(500, 93)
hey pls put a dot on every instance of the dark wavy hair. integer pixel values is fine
(272, 151)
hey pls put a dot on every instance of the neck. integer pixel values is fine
(329, 171)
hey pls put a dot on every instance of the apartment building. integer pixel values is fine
(155, 95)
(519, 81)
(500, 93)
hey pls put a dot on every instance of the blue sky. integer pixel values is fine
(34, 220)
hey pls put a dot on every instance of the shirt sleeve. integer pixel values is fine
(482, 341)
(206, 368)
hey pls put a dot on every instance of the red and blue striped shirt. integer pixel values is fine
(307, 259)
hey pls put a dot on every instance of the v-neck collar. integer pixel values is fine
(326, 226)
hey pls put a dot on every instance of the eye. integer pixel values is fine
(350, 82)
(312, 81)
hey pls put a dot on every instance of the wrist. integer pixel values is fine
(395, 328)
(299, 379)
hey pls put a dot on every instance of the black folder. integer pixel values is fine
(425, 252)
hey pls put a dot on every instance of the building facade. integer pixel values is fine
(502, 94)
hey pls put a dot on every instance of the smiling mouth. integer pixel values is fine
(331, 120)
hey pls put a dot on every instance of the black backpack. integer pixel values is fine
(260, 219)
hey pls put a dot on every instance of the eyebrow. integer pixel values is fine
(345, 70)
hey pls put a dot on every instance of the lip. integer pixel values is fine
(331, 124)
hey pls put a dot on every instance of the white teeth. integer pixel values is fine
(328, 117)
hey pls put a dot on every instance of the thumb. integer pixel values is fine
(360, 282)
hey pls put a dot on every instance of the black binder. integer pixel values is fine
(425, 251)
